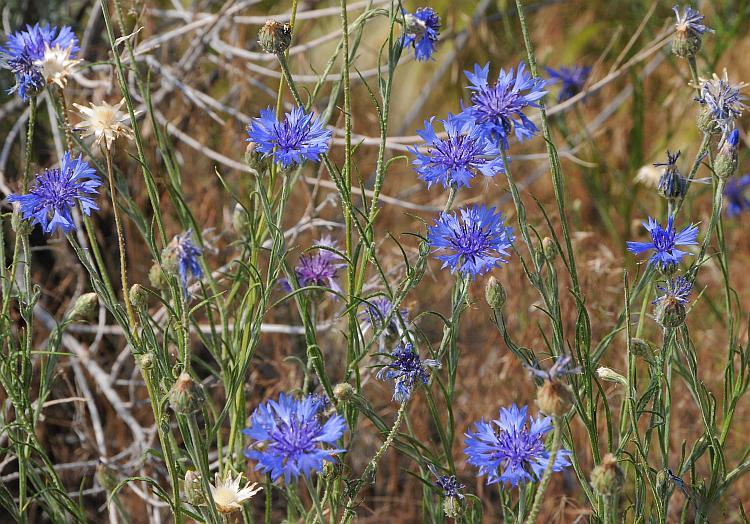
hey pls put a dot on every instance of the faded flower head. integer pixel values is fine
(509, 450)
(689, 30)
(56, 65)
(377, 311)
(227, 494)
(454, 160)
(183, 257)
(105, 122)
(664, 243)
(421, 32)
(734, 193)
(572, 79)
(672, 185)
(562, 367)
(408, 370)
(448, 484)
(671, 304)
(299, 136)
(475, 240)
(498, 107)
(722, 104)
(291, 437)
(319, 268)
(24, 50)
(56, 191)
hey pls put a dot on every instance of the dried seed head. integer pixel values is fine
(343, 392)
(554, 398)
(275, 37)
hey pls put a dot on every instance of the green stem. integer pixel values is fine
(539, 497)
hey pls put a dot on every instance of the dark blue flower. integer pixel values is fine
(498, 108)
(676, 290)
(449, 484)
(319, 268)
(690, 21)
(24, 48)
(291, 437)
(723, 103)
(56, 192)
(297, 137)
(664, 242)
(184, 256)
(457, 158)
(476, 243)
(408, 370)
(734, 192)
(572, 79)
(508, 450)
(377, 311)
(421, 32)
(672, 184)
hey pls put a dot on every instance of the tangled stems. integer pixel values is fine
(539, 497)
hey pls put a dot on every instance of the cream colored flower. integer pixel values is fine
(227, 494)
(649, 176)
(106, 122)
(56, 65)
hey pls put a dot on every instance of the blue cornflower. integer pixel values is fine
(182, 256)
(498, 108)
(56, 192)
(457, 158)
(476, 243)
(449, 484)
(290, 436)
(664, 241)
(421, 32)
(722, 103)
(508, 450)
(676, 290)
(319, 268)
(734, 192)
(297, 137)
(572, 80)
(407, 369)
(24, 48)
(376, 312)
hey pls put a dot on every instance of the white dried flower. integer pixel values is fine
(56, 65)
(105, 122)
(227, 494)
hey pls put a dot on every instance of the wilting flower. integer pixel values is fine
(407, 369)
(105, 122)
(377, 311)
(671, 303)
(56, 191)
(563, 366)
(25, 49)
(56, 65)
(722, 103)
(421, 32)
(319, 268)
(182, 256)
(572, 79)
(498, 108)
(689, 29)
(672, 185)
(664, 243)
(290, 437)
(734, 192)
(457, 158)
(448, 484)
(227, 494)
(476, 242)
(298, 136)
(508, 450)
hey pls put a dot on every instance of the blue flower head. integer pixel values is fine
(676, 290)
(408, 370)
(572, 79)
(734, 192)
(56, 191)
(182, 256)
(299, 136)
(421, 32)
(509, 450)
(457, 158)
(722, 104)
(448, 484)
(320, 267)
(498, 108)
(23, 48)
(664, 243)
(474, 241)
(291, 437)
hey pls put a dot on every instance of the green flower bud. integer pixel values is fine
(84, 308)
(19, 224)
(156, 277)
(611, 375)
(138, 296)
(549, 248)
(705, 121)
(494, 293)
(186, 396)
(554, 398)
(607, 478)
(193, 488)
(146, 361)
(343, 392)
(451, 507)
(641, 348)
(254, 159)
(726, 159)
(275, 37)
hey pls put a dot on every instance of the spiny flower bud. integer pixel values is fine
(494, 293)
(275, 37)
(640, 348)
(253, 158)
(106, 477)
(670, 312)
(607, 478)
(343, 392)
(146, 361)
(156, 277)
(726, 160)
(138, 296)
(554, 398)
(193, 488)
(85, 307)
(550, 249)
(451, 507)
(186, 396)
(241, 221)
(611, 375)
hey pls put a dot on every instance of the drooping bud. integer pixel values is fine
(343, 392)
(186, 396)
(607, 478)
(138, 296)
(84, 308)
(241, 222)
(726, 160)
(494, 293)
(193, 488)
(554, 398)
(549, 248)
(611, 375)
(275, 37)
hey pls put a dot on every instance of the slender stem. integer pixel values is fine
(539, 497)
(315, 498)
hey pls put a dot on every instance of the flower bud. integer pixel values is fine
(670, 312)
(241, 222)
(186, 396)
(146, 361)
(664, 483)
(275, 37)
(253, 158)
(138, 296)
(549, 248)
(726, 160)
(193, 488)
(19, 224)
(343, 392)
(611, 375)
(84, 308)
(156, 277)
(685, 43)
(554, 398)
(494, 293)
(607, 478)
(640, 348)
(451, 507)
